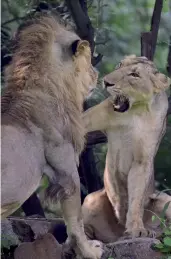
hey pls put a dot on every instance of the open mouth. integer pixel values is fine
(121, 103)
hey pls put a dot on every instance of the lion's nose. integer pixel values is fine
(107, 84)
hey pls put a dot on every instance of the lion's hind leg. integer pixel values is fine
(65, 186)
(100, 221)
(160, 200)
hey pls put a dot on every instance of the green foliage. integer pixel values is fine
(118, 28)
(165, 245)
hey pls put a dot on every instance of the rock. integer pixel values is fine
(19, 229)
(44, 247)
(8, 236)
(138, 248)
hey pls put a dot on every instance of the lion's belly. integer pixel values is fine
(22, 160)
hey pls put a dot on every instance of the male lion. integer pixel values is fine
(42, 128)
(134, 119)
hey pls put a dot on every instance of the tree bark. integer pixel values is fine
(78, 9)
(149, 39)
(85, 30)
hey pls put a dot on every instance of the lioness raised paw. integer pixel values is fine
(139, 232)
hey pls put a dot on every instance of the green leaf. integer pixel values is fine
(164, 209)
(159, 246)
(165, 249)
(153, 218)
(167, 241)
(167, 232)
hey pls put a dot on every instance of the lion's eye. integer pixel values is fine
(118, 66)
(134, 74)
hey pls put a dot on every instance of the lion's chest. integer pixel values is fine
(121, 150)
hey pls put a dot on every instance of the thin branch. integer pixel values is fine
(10, 10)
(90, 4)
(102, 42)
(12, 20)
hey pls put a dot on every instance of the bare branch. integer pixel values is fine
(149, 39)
(155, 23)
(82, 20)
(78, 9)
(12, 20)
(102, 42)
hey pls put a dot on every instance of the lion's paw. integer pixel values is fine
(92, 249)
(139, 232)
(95, 250)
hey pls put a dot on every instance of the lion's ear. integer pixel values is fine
(160, 82)
(81, 47)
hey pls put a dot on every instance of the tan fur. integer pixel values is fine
(133, 137)
(101, 222)
(42, 128)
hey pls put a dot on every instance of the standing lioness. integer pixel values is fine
(42, 130)
(134, 118)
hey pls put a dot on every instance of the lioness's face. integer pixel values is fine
(134, 81)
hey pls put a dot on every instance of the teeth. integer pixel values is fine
(116, 106)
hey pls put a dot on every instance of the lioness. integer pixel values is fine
(42, 128)
(134, 119)
(101, 223)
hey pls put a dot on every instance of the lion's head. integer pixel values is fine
(52, 54)
(51, 66)
(135, 80)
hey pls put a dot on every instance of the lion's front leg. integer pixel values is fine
(138, 182)
(65, 185)
(97, 117)
(71, 208)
